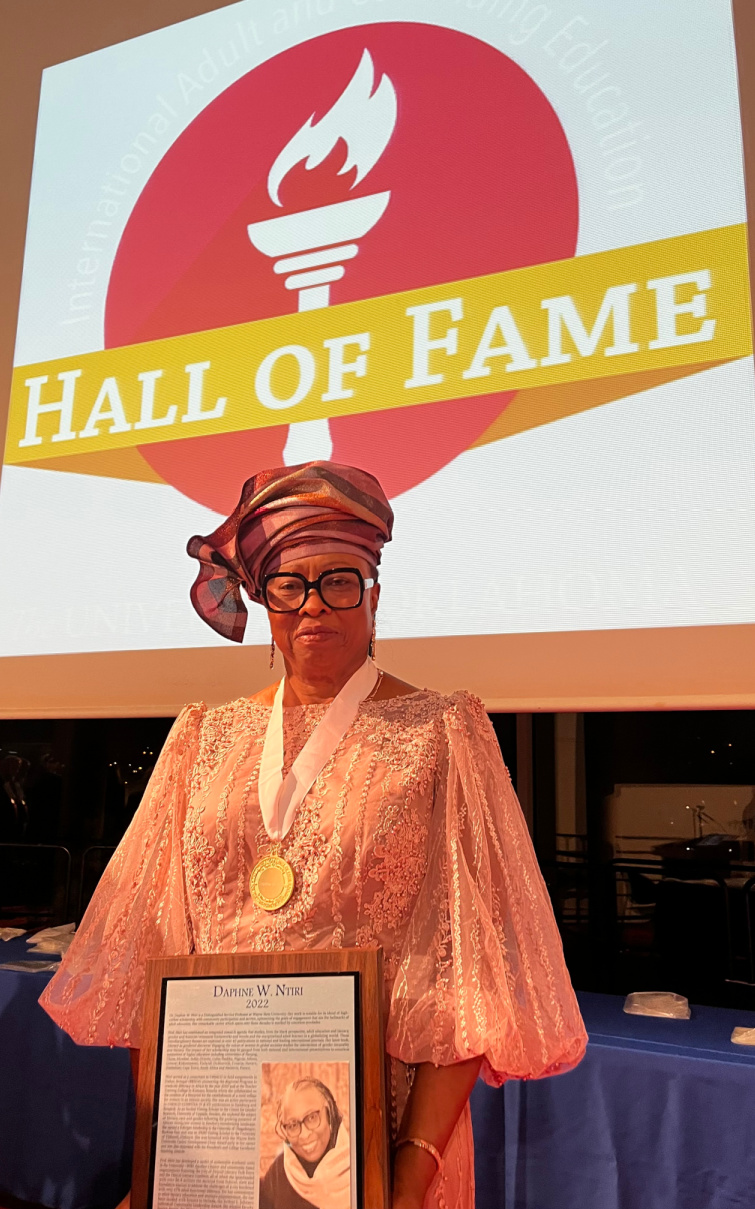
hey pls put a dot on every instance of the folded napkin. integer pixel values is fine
(743, 1036)
(29, 967)
(657, 1003)
(52, 940)
(11, 933)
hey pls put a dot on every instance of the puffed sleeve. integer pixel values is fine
(482, 969)
(138, 910)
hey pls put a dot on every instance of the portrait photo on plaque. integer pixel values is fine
(305, 1135)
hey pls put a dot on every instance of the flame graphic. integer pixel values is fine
(362, 118)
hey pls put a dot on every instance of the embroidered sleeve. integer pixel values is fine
(138, 909)
(482, 968)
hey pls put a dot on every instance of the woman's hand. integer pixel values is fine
(435, 1103)
(413, 1172)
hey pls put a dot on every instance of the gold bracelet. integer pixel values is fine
(423, 1145)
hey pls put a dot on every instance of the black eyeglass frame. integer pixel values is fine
(315, 584)
(293, 1123)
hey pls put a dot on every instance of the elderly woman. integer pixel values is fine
(313, 1171)
(341, 807)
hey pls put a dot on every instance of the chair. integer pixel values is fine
(691, 932)
(35, 883)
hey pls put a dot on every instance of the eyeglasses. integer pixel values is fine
(341, 588)
(312, 1121)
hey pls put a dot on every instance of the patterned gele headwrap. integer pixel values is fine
(285, 513)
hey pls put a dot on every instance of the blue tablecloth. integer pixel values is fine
(66, 1111)
(659, 1115)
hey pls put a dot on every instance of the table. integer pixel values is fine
(659, 1115)
(66, 1111)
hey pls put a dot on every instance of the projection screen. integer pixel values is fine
(494, 252)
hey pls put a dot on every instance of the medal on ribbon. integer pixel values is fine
(271, 883)
(272, 880)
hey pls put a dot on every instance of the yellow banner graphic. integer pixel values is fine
(659, 310)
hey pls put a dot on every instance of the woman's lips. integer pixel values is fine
(314, 637)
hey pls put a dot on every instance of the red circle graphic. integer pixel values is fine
(481, 180)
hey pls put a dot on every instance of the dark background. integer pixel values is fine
(69, 788)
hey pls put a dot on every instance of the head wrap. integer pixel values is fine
(285, 513)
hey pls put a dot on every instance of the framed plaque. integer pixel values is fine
(262, 1080)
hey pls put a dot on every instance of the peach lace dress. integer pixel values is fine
(411, 838)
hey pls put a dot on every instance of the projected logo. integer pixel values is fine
(359, 164)
(364, 121)
(365, 250)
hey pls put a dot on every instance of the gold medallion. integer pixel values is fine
(271, 883)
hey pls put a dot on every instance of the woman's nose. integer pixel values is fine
(314, 604)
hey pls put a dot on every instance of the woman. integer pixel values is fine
(398, 827)
(313, 1171)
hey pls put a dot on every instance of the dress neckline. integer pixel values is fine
(322, 705)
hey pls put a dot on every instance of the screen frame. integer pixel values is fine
(709, 667)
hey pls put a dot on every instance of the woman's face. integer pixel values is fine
(306, 1106)
(318, 637)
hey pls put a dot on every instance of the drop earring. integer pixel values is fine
(272, 653)
(373, 641)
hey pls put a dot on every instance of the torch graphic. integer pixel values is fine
(311, 246)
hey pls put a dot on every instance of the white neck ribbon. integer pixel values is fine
(279, 799)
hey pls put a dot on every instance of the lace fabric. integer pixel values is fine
(139, 909)
(411, 839)
(482, 968)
